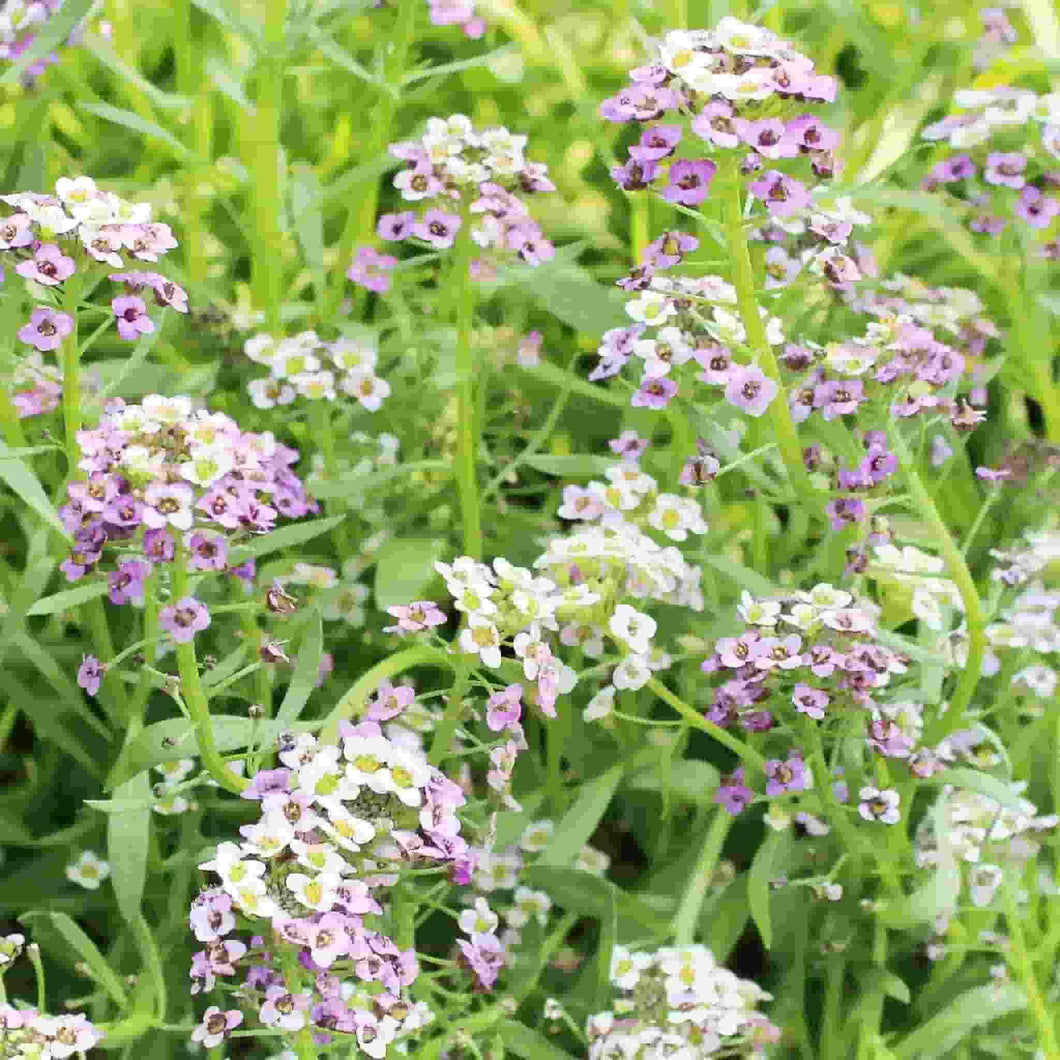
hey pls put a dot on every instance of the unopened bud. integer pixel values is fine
(279, 601)
(256, 711)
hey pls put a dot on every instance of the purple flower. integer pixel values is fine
(790, 775)
(90, 674)
(48, 266)
(717, 364)
(207, 552)
(810, 701)
(838, 397)
(733, 793)
(715, 125)
(879, 805)
(1036, 209)
(1006, 169)
(669, 249)
(780, 267)
(629, 446)
(634, 175)
(438, 228)
(127, 582)
(504, 708)
(485, 957)
(940, 451)
(657, 141)
(781, 194)
(168, 505)
(371, 269)
(845, 510)
(394, 227)
(414, 617)
(989, 474)
(46, 328)
(689, 181)
(216, 1026)
(699, 470)
(750, 389)
(133, 320)
(811, 135)
(15, 231)
(768, 137)
(184, 619)
(654, 393)
(528, 242)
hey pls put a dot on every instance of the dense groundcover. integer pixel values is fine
(529, 529)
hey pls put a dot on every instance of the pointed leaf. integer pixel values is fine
(21, 480)
(128, 120)
(68, 598)
(285, 537)
(404, 567)
(128, 834)
(580, 821)
(305, 674)
(940, 1035)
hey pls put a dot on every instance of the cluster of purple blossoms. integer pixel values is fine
(36, 387)
(20, 23)
(458, 13)
(998, 169)
(161, 475)
(337, 825)
(684, 330)
(296, 369)
(478, 174)
(25, 1032)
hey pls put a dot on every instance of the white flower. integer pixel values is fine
(632, 673)
(601, 705)
(591, 860)
(528, 904)
(634, 628)
(89, 871)
(479, 920)
(536, 836)
(481, 638)
(757, 612)
(314, 892)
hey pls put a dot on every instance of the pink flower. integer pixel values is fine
(781, 194)
(750, 389)
(414, 617)
(689, 181)
(438, 228)
(49, 266)
(216, 1026)
(654, 393)
(90, 674)
(46, 328)
(370, 270)
(183, 619)
(504, 708)
(133, 320)
(394, 227)
(282, 1009)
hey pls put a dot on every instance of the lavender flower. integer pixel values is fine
(183, 619)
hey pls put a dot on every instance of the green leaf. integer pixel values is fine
(983, 783)
(305, 674)
(128, 120)
(68, 598)
(228, 84)
(353, 486)
(579, 464)
(580, 821)
(691, 780)
(50, 38)
(86, 950)
(941, 1034)
(722, 918)
(762, 871)
(285, 537)
(21, 480)
(573, 296)
(744, 577)
(404, 567)
(128, 835)
(308, 219)
(128, 76)
(528, 1043)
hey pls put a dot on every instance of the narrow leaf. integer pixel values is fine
(51, 36)
(68, 598)
(580, 821)
(86, 950)
(758, 884)
(128, 834)
(128, 120)
(285, 537)
(579, 464)
(528, 1043)
(21, 480)
(941, 1034)
(404, 567)
(305, 674)
(982, 783)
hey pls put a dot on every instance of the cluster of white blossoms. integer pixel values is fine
(336, 815)
(983, 835)
(632, 497)
(1018, 565)
(1028, 625)
(678, 1003)
(922, 577)
(297, 368)
(987, 110)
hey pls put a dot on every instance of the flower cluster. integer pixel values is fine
(458, 13)
(913, 580)
(185, 478)
(998, 170)
(677, 1001)
(36, 387)
(983, 835)
(296, 369)
(1029, 624)
(53, 237)
(685, 321)
(26, 1032)
(483, 173)
(336, 826)
(20, 23)
(341, 599)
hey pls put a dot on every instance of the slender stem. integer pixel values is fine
(194, 696)
(684, 925)
(750, 757)
(984, 509)
(360, 221)
(454, 704)
(467, 437)
(831, 1040)
(352, 701)
(266, 165)
(72, 374)
(143, 686)
(1021, 960)
(958, 571)
(33, 952)
(10, 422)
(744, 281)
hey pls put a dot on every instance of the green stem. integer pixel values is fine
(360, 221)
(143, 686)
(831, 1021)
(467, 440)
(984, 509)
(750, 757)
(958, 571)
(71, 359)
(194, 696)
(352, 701)
(744, 281)
(1021, 960)
(266, 165)
(9, 421)
(443, 737)
(684, 925)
